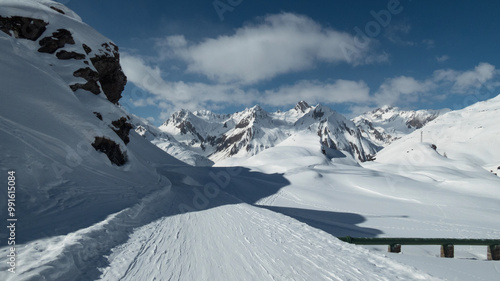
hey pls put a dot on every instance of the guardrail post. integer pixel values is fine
(394, 248)
(447, 251)
(494, 252)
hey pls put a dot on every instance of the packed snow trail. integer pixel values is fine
(242, 242)
(227, 240)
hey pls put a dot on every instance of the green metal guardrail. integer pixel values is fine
(447, 244)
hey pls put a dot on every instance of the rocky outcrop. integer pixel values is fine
(65, 55)
(122, 128)
(23, 27)
(108, 71)
(111, 149)
(106, 61)
(98, 115)
(111, 75)
(231, 144)
(302, 106)
(91, 76)
(87, 49)
(58, 40)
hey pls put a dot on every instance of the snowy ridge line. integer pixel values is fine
(74, 256)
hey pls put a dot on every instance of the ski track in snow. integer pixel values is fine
(241, 242)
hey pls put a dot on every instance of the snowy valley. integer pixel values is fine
(102, 194)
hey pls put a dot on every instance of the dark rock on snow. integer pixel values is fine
(111, 75)
(65, 55)
(91, 76)
(98, 115)
(59, 39)
(111, 149)
(23, 27)
(122, 129)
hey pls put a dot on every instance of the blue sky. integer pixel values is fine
(226, 55)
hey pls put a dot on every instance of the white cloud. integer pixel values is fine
(474, 78)
(464, 81)
(393, 90)
(171, 96)
(405, 89)
(277, 44)
(442, 58)
(149, 80)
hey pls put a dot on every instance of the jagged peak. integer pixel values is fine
(302, 106)
(179, 116)
(254, 112)
(256, 108)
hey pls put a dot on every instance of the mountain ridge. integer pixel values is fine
(252, 130)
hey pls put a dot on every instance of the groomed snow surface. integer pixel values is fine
(272, 216)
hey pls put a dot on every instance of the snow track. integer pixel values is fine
(242, 242)
(75, 256)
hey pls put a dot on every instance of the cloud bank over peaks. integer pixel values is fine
(273, 45)
(446, 81)
(197, 95)
(152, 90)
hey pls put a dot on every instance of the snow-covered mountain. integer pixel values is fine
(253, 130)
(465, 137)
(246, 133)
(168, 143)
(386, 124)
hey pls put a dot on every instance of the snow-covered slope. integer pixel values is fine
(386, 124)
(54, 141)
(410, 190)
(257, 244)
(464, 139)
